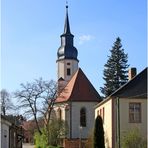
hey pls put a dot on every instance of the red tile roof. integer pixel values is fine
(79, 88)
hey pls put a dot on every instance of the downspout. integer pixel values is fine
(118, 120)
(70, 119)
(9, 136)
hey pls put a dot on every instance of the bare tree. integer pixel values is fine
(37, 99)
(6, 103)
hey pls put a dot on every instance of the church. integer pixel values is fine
(77, 96)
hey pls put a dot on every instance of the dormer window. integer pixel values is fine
(68, 72)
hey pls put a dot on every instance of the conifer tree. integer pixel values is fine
(116, 69)
(98, 134)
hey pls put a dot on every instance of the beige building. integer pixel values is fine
(125, 109)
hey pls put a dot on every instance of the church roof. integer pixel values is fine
(135, 88)
(79, 88)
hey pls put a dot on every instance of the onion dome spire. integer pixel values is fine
(67, 49)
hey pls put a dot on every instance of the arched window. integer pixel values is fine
(83, 117)
(59, 113)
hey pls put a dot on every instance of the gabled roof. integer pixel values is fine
(137, 87)
(60, 79)
(79, 88)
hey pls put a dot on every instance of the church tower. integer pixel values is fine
(67, 62)
(76, 95)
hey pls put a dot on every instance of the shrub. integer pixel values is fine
(98, 133)
(57, 129)
(41, 140)
(133, 139)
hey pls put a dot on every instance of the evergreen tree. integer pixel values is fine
(98, 133)
(116, 69)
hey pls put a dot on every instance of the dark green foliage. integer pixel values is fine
(116, 69)
(98, 141)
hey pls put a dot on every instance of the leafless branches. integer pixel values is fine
(37, 99)
(6, 103)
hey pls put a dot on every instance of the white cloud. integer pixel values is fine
(85, 38)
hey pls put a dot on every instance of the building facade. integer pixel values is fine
(4, 132)
(124, 110)
(11, 132)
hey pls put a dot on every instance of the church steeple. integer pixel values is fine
(67, 26)
(67, 54)
(67, 49)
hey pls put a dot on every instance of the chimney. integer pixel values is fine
(132, 73)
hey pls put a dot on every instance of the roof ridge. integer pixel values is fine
(75, 75)
(124, 85)
(79, 88)
(64, 89)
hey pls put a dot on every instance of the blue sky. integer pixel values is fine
(31, 32)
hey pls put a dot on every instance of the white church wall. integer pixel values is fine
(62, 68)
(65, 114)
(62, 107)
(90, 117)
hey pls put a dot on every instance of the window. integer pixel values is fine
(134, 112)
(83, 117)
(101, 113)
(59, 113)
(68, 63)
(98, 113)
(68, 72)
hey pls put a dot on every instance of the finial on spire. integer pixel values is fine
(67, 26)
(66, 4)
